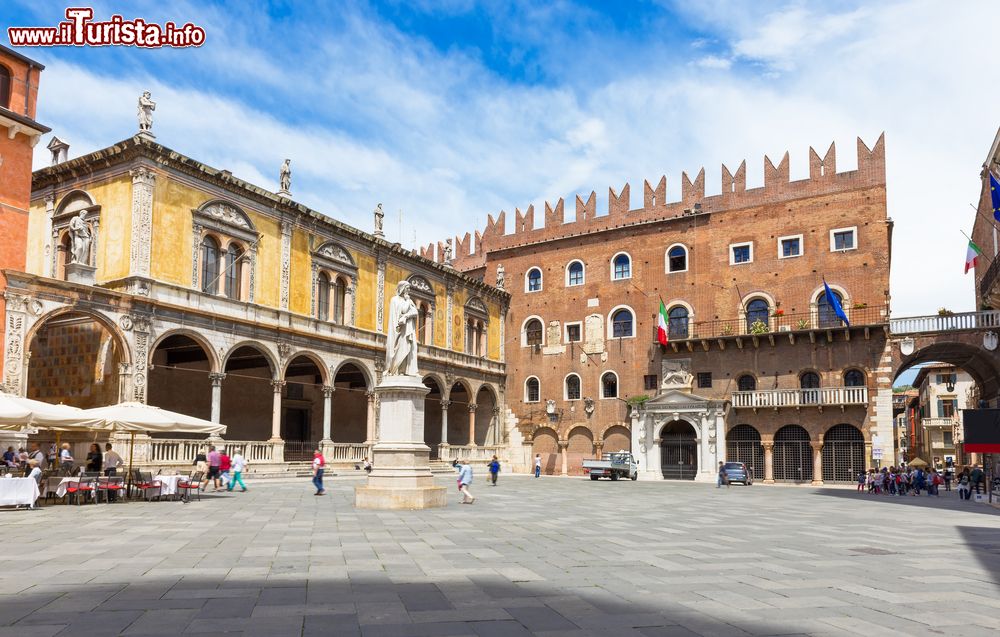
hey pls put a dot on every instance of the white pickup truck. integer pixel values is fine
(614, 465)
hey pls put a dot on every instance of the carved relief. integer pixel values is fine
(380, 296)
(421, 284)
(335, 252)
(196, 252)
(286, 262)
(476, 304)
(142, 220)
(227, 214)
(14, 352)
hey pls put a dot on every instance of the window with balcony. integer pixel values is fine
(946, 407)
(677, 322)
(533, 280)
(572, 387)
(574, 273)
(621, 267)
(809, 384)
(746, 382)
(824, 309)
(759, 313)
(854, 378)
(609, 385)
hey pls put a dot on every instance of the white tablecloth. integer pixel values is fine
(169, 483)
(15, 491)
(60, 486)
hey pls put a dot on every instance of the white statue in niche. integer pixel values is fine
(401, 342)
(80, 239)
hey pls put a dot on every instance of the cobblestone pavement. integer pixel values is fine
(551, 556)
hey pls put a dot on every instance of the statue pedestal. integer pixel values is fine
(80, 273)
(401, 474)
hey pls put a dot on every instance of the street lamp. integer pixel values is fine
(950, 384)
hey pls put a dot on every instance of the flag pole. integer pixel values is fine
(982, 254)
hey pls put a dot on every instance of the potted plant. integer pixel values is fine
(727, 330)
(860, 306)
(778, 312)
(802, 324)
(943, 311)
(759, 327)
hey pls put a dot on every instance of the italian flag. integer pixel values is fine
(661, 324)
(971, 256)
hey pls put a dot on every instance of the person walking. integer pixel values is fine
(318, 466)
(66, 459)
(494, 470)
(964, 490)
(225, 468)
(538, 464)
(976, 478)
(722, 478)
(214, 462)
(239, 464)
(464, 480)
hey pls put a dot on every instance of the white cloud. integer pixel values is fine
(372, 114)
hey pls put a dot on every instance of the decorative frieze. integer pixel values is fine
(286, 262)
(143, 181)
(380, 296)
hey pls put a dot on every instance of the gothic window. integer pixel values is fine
(572, 387)
(622, 323)
(533, 332)
(677, 259)
(532, 390)
(746, 382)
(677, 322)
(323, 297)
(757, 310)
(477, 317)
(621, 267)
(609, 385)
(574, 273)
(210, 265)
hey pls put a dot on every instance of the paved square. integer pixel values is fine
(551, 556)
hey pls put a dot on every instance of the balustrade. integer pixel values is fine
(820, 396)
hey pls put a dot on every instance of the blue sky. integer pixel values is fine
(454, 109)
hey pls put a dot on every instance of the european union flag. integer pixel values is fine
(995, 196)
(834, 302)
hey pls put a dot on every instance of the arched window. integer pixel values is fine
(4, 86)
(423, 324)
(609, 385)
(854, 378)
(63, 257)
(234, 271)
(534, 280)
(572, 387)
(677, 322)
(621, 323)
(621, 267)
(323, 297)
(475, 337)
(746, 382)
(809, 382)
(757, 310)
(533, 332)
(210, 254)
(677, 259)
(574, 273)
(339, 300)
(532, 390)
(827, 317)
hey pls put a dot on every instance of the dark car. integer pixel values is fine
(738, 472)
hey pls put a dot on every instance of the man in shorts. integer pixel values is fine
(214, 471)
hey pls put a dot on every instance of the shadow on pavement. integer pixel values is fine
(948, 500)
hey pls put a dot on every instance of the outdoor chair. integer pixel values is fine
(109, 485)
(146, 483)
(72, 490)
(194, 482)
(86, 487)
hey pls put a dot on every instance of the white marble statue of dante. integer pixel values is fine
(145, 112)
(80, 239)
(401, 342)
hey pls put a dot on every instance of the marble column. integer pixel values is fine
(444, 429)
(768, 461)
(563, 450)
(817, 448)
(277, 385)
(327, 401)
(371, 434)
(472, 424)
(216, 378)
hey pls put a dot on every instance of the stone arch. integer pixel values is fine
(213, 358)
(362, 367)
(486, 418)
(460, 399)
(580, 445)
(616, 437)
(743, 444)
(545, 442)
(316, 359)
(251, 381)
(843, 453)
(678, 441)
(351, 403)
(263, 350)
(793, 459)
(75, 196)
(85, 363)
(982, 365)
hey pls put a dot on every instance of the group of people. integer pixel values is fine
(221, 470)
(32, 463)
(912, 480)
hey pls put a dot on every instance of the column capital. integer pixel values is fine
(563, 444)
(817, 446)
(216, 378)
(371, 395)
(767, 444)
(472, 407)
(277, 385)
(328, 390)
(445, 404)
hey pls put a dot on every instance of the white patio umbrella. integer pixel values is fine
(138, 417)
(14, 414)
(18, 413)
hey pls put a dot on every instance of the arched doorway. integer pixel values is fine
(432, 416)
(486, 405)
(458, 415)
(617, 438)
(302, 408)
(678, 451)
(581, 445)
(179, 377)
(843, 454)
(74, 359)
(545, 443)
(248, 394)
(349, 422)
(792, 455)
(743, 445)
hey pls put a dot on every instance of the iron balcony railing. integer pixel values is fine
(945, 322)
(775, 322)
(818, 397)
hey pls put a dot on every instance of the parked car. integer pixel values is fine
(738, 472)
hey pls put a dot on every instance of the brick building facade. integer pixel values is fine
(756, 354)
(19, 132)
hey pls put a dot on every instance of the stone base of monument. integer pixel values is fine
(401, 474)
(80, 273)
